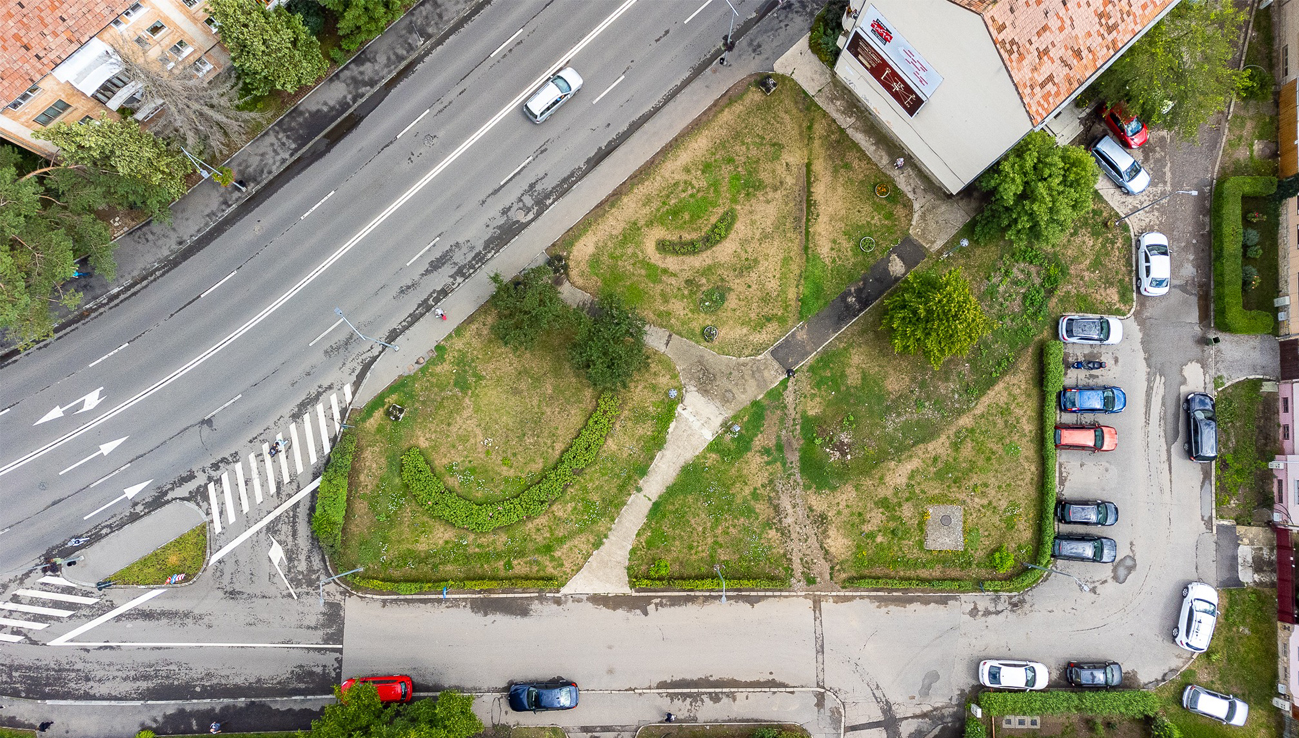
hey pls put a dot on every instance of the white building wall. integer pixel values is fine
(975, 115)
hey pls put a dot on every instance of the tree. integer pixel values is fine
(362, 715)
(121, 146)
(311, 13)
(935, 315)
(1038, 189)
(200, 112)
(361, 20)
(1183, 62)
(610, 347)
(527, 306)
(271, 48)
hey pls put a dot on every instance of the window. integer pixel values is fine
(1285, 404)
(191, 3)
(1296, 491)
(110, 87)
(52, 113)
(1285, 432)
(22, 99)
(143, 42)
(212, 22)
(181, 49)
(202, 67)
(156, 29)
(132, 11)
(87, 119)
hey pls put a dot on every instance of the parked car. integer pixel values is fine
(557, 91)
(1127, 128)
(1119, 166)
(1199, 616)
(1154, 265)
(1201, 427)
(1084, 547)
(1096, 512)
(1092, 400)
(390, 688)
(1102, 329)
(1222, 707)
(1093, 674)
(540, 696)
(1004, 674)
(1086, 437)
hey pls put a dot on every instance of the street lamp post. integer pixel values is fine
(1116, 221)
(1081, 584)
(323, 582)
(207, 170)
(717, 568)
(339, 311)
(730, 41)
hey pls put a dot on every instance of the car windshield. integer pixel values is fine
(1159, 282)
(994, 674)
(562, 84)
(1100, 438)
(1131, 172)
(1133, 127)
(1157, 249)
(1205, 607)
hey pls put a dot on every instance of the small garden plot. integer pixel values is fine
(1248, 435)
(1259, 267)
(183, 556)
(490, 422)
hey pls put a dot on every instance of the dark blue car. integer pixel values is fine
(535, 697)
(1092, 400)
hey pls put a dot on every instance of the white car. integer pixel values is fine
(1103, 329)
(1221, 707)
(1154, 265)
(554, 93)
(1199, 615)
(1025, 675)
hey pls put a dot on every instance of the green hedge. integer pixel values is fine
(409, 588)
(1133, 703)
(1228, 297)
(442, 503)
(1052, 383)
(974, 728)
(715, 234)
(709, 584)
(331, 496)
(960, 585)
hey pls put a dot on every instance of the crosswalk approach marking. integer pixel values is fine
(311, 442)
(216, 507)
(230, 501)
(243, 488)
(297, 448)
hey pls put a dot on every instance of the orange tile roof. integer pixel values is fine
(35, 35)
(1051, 47)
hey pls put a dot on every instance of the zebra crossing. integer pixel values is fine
(47, 603)
(264, 475)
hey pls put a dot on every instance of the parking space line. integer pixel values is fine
(56, 596)
(216, 507)
(324, 435)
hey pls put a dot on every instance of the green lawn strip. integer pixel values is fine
(1248, 440)
(183, 555)
(1266, 265)
(1241, 661)
(16, 733)
(1228, 294)
(410, 588)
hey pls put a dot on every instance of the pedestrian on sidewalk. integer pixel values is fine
(670, 717)
(216, 728)
(45, 726)
(438, 312)
(899, 163)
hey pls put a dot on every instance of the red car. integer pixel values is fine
(1127, 128)
(1086, 437)
(390, 688)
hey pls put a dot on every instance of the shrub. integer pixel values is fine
(1038, 190)
(527, 306)
(1253, 252)
(1228, 279)
(1052, 383)
(331, 496)
(935, 315)
(1248, 277)
(1002, 560)
(716, 233)
(1250, 236)
(945, 585)
(1162, 727)
(712, 299)
(824, 39)
(610, 348)
(974, 728)
(708, 584)
(1133, 703)
(660, 569)
(410, 588)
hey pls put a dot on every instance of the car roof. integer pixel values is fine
(543, 97)
(1154, 237)
(1114, 152)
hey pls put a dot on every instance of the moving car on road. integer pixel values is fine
(390, 688)
(1093, 674)
(1092, 400)
(1086, 437)
(1095, 512)
(1119, 166)
(1199, 616)
(545, 101)
(1127, 128)
(538, 696)
(1084, 547)
(1201, 427)
(1154, 264)
(1005, 674)
(1103, 329)
(1222, 707)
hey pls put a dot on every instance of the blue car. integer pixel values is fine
(535, 697)
(1092, 400)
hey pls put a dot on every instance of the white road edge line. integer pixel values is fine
(97, 644)
(326, 332)
(507, 43)
(697, 12)
(63, 639)
(226, 549)
(517, 169)
(105, 356)
(313, 207)
(412, 125)
(342, 251)
(421, 253)
(209, 289)
(223, 407)
(607, 89)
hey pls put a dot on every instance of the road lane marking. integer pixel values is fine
(221, 554)
(517, 170)
(297, 448)
(507, 43)
(324, 435)
(347, 394)
(63, 639)
(607, 89)
(257, 478)
(110, 475)
(104, 450)
(223, 407)
(311, 439)
(697, 12)
(421, 251)
(56, 596)
(312, 210)
(230, 500)
(34, 610)
(218, 284)
(105, 356)
(412, 125)
(315, 273)
(23, 624)
(128, 493)
(326, 332)
(270, 470)
(216, 507)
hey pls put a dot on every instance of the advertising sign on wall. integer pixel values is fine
(895, 64)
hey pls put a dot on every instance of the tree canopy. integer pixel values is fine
(361, 20)
(934, 315)
(610, 348)
(1038, 189)
(1179, 73)
(272, 49)
(362, 715)
(122, 147)
(527, 306)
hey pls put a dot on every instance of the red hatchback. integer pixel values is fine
(390, 688)
(1086, 437)
(1127, 128)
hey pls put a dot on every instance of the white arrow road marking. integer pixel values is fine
(104, 450)
(127, 494)
(57, 596)
(277, 556)
(87, 403)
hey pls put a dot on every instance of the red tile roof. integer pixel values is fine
(35, 35)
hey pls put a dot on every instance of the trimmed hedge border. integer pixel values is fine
(716, 233)
(446, 505)
(709, 584)
(410, 588)
(1133, 703)
(331, 496)
(1228, 290)
(958, 585)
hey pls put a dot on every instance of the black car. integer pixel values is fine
(539, 696)
(1201, 427)
(1093, 674)
(1093, 512)
(1084, 548)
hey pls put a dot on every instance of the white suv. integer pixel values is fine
(1198, 617)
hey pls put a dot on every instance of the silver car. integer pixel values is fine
(1221, 707)
(1119, 166)
(545, 101)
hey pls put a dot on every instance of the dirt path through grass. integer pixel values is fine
(806, 556)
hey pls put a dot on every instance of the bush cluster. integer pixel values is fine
(708, 584)
(1162, 727)
(1132, 703)
(442, 503)
(715, 234)
(331, 496)
(1228, 240)
(974, 728)
(410, 588)
(946, 585)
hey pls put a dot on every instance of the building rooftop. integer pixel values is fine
(35, 35)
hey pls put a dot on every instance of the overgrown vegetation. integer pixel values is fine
(610, 346)
(362, 715)
(1039, 189)
(183, 555)
(331, 496)
(272, 49)
(826, 29)
(1228, 241)
(1247, 437)
(1120, 703)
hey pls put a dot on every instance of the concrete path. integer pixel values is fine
(1238, 357)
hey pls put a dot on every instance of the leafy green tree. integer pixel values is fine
(935, 315)
(527, 306)
(312, 14)
(272, 49)
(1180, 73)
(362, 715)
(610, 348)
(361, 20)
(121, 146)
(359, 715)
(1038, 189)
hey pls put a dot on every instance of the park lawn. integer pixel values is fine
(755, 154)
(183, 555)
(491, 420)
(1248, 437)
(1241, 660)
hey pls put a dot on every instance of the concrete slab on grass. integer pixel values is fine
(945, 528)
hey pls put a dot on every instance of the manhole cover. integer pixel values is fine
(946, 520)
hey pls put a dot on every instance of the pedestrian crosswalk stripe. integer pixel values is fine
(270, 470)
(324, 434)
(284, 463)
(243, 487)
(7, 638)
(35, 610)
(57, 596)
(297, 447)
(23, 624)
(216, 507)
(230, 501)
(338, 419)
(311, 441)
